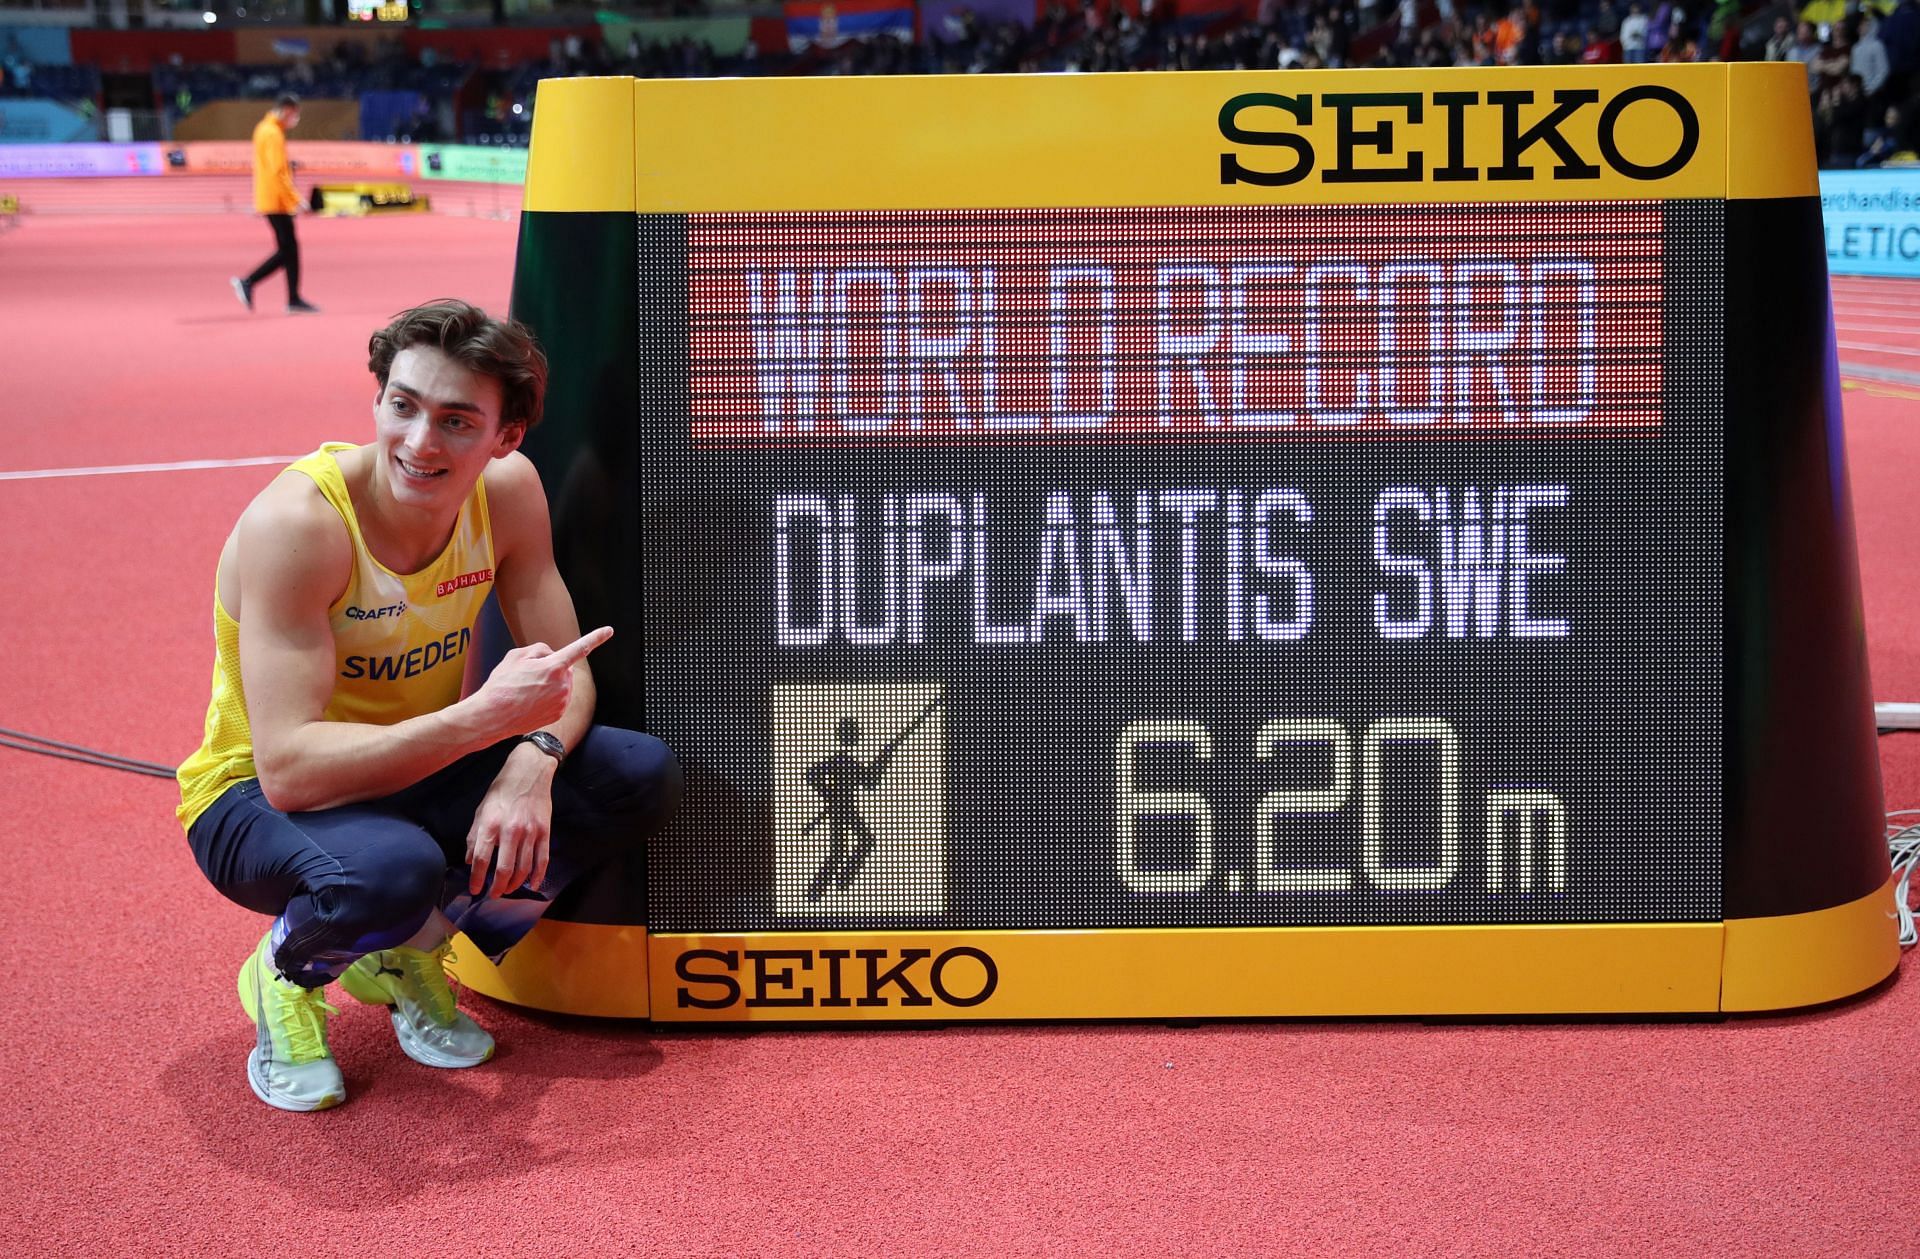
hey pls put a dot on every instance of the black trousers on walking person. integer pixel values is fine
(286, 254)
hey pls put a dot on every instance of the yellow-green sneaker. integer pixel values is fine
(414, 983)
(290, 1067)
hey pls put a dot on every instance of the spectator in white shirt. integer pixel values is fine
(1633, 34)
(1805, 47)
(1870, 60)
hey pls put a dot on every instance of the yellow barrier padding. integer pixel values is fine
(1805, 959)
(1185, 973)
(1514, 134)
(1771, 154)
(582, 155)
(566, 967)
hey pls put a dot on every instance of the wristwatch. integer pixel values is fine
(546, 743)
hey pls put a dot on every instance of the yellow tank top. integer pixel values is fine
(400, 639)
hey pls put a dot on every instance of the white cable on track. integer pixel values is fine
(1903, 844)
(119, 469)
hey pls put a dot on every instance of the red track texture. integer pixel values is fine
(128, 1128)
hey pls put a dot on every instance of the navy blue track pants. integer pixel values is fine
(365, 876)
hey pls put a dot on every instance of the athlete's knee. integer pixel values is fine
(628, 776)
(388, 886)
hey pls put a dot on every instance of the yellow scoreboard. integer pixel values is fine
(1163, 546)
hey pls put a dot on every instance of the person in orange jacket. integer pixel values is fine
(273, 196)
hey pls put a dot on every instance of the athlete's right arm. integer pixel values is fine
(292, 560)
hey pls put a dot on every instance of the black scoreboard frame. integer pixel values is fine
(1755, 876)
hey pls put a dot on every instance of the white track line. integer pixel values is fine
(185, 465)
(1871, 371)
(1878, 349)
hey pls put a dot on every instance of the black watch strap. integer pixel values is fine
(546, 743)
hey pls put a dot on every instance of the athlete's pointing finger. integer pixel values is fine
(577, 650)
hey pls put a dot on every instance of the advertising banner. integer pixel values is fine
(311, 157)
(44, 122)
(942, 20)
(492, 45)
(727, 36)
(473, 163)
(41, 45)
(255, 46)
(136, 52)
(1872, 220)
(59, 161)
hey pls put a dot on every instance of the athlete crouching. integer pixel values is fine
(344, 785)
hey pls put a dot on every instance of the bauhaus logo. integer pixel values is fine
(479, 577)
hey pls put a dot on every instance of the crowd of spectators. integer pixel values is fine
(1861, 78)
(347, 71)
(1862, 56)
(20, 77)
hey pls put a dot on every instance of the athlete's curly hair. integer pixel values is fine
(504, 349)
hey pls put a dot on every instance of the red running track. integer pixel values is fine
(127, 1127)
(1877, 327)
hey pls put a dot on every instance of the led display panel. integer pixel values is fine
(1206, 545)
(1185, 566)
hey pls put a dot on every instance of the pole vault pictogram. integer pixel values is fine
(839, 780)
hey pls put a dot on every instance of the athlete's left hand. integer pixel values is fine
(512, 826)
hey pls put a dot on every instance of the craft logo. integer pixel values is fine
(859, 781)
(376, 614)
(476, 578)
